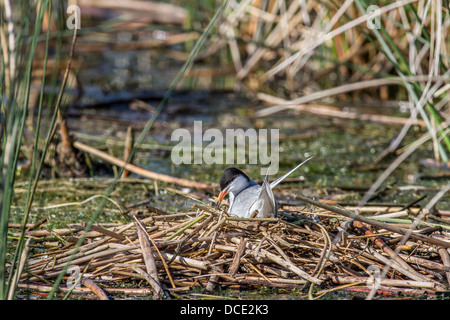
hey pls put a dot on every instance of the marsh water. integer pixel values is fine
(121, 88)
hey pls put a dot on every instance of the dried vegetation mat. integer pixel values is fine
(310, 250)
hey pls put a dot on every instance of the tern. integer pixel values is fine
(247, 197)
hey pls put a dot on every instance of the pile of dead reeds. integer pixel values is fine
(313, 251)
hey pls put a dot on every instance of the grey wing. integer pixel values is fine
(268, 204)
(244, 201)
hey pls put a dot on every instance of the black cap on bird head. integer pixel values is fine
(229, 175)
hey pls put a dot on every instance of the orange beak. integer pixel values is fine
(222, 195)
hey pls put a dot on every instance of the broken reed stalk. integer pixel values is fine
(446, 261)
(149, 260)
(388, 282)
(129, 141)
(105, 232)
(166, 268)
(180, 231)
(88, 283)
(81, 290)
(237, 256)
(279, 260)
(18, 272)
(397, 259)
(138, 170)
(374, 223)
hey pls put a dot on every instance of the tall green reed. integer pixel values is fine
(17, 68)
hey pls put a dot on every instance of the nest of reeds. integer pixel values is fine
(311, 250)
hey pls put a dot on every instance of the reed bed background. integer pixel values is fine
(293, 56)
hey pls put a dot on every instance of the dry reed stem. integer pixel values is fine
(375, 223)
(149, 260)
(283, 104)
(305, 50)
(237, 257)
(389, 282)
(446, 261)
(129, 141)
(380, 243)
(138, 170)
(282, 262)
(88, 283)
(105, 232)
